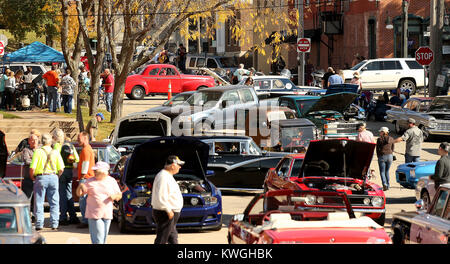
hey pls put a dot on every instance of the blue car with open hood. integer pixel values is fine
(202, 208)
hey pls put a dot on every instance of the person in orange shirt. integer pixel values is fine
(87, 161)
(52, 79)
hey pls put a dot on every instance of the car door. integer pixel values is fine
(371, 76)
(391, 73)
(150, 77)
(402, 117)
(168, 75)
(280, 174)
(432, 227)
(232, 101)
(211, 64)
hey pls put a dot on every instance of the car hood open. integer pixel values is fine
(326, 158)
(149, 158)
(334, 102)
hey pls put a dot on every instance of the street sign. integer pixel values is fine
(2, 48)
(303, 45)
(424, 56)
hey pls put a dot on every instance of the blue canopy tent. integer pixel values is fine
(35, 52)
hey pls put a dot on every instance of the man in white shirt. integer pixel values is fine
(167, 202)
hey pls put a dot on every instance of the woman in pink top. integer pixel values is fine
(102, 190)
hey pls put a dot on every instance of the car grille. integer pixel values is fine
(190, 220)
(401, 176)
(347, 128)
(355, 200)
(443, 125)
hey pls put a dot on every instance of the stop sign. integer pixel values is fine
(303, 44)
(2, 48)
(424, 56)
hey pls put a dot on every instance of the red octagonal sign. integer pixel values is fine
(424, 55)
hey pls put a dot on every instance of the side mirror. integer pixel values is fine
(420, 205)
(210, 173)
(364, 69)
(224, 103)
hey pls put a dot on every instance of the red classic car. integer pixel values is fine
(294, 220)
(340, 165)
(16, 169)
(155, 79)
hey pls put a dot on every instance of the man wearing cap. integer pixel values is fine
(364, 135)
(92, 125)
(413, 138)
(167, 202)
(442, 170)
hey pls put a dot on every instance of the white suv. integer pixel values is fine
(36, 68)
(388, 74)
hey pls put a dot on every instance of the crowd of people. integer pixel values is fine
(53, 89)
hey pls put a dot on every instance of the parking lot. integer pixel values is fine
(397, 197)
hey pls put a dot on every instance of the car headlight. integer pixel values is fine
(210, 200)
(377, 201)
(366, 201)
(412, 173)
(138, 201)
(320, 200)
(310, 200)
(433, 124)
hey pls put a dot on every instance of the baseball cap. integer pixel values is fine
(101, 165)
(384, 129)
(100, 115)
(411, 121)
(174, 159)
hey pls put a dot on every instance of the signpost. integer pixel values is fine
(424, 56)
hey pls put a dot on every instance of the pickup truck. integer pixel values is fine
(155, 79)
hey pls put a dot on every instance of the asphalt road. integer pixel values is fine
(398, 198)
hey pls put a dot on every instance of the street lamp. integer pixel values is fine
(388, 22)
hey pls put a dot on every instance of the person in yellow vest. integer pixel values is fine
(45, 168)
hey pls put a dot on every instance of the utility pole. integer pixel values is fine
(300, 55)
(405, 29)
(437, 10)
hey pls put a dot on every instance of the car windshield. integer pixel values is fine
(8, 223)
(228, 62)
(296, 138)
(357, 66)
(440, 104)
(177, 99)
(203, 97)
(305, 105)
(283, 84)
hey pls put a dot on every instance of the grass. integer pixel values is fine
(105, 128)
(8, 115)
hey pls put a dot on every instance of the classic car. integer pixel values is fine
(425, 190)
(408, 174)
(326, 112)
(136, 128)
(276, 128)
(431, 115)
(333, 165)
(15, 216)
(155, 79)
(426, 226)
(238, 163)
(297, 218)
(202, 207)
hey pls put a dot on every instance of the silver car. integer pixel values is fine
(432, 115)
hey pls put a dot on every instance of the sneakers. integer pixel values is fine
(38, 228)
(54, 229)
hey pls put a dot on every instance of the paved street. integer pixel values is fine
(398, 198)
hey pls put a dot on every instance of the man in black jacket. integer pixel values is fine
(442, 171)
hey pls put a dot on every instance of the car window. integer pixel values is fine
(227, 148)
(374, 66)
(192, 62)
(36, 69)
(167, 72)
(154, 71)
(391, 65)
(440, 204)
(114, 155)
(200, 62)
(447, 211)
(211, 63)
(15, 68)
(261, 84)
(283, 168)
(414, 65)
(211, 148)
(101, 155)
(8, 223)
(296, 167)
(246, 95)
(253, 149)
(232, 97)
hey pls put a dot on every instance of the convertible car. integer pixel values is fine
(339, 165)
(202, 207)
(296, 218)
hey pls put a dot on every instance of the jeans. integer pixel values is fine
(46, 186)
(82, 204)
(384, 163)
(52, 98)
(409, 158)
(67, 103)
(99, 229)
(65, 195)
(166, 231)
(108, 101)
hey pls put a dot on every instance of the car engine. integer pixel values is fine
(195, 187)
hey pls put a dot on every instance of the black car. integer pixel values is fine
(238, 163)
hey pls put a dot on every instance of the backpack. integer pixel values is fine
(68, 154)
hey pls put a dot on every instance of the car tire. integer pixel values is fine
(381, 220)
(137, 93)
(408, 84)
(121, 219)
(425, 197)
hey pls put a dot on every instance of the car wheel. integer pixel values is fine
(137, 93)
(381, 220)
(408, 84)
(121, 219)
(425, 196)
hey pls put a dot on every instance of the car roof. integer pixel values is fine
(94, 144)
(225, 88)
(445, 185)
(11, 194)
